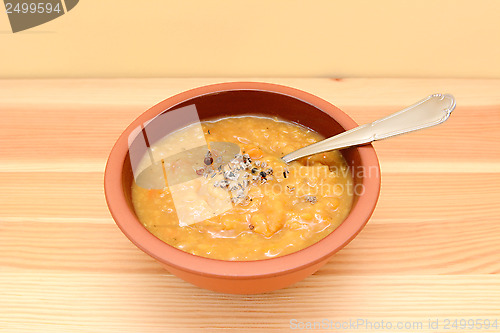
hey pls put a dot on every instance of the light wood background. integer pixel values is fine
(291, 38)
(430, 251)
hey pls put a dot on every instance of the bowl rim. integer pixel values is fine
(129, 224)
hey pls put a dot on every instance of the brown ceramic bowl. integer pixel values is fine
(247, 277)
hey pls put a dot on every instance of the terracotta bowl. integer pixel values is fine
(247, 277)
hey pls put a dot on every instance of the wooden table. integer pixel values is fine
(430, 252)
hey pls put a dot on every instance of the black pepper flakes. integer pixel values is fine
(263, 174)
(254, 170)
(208, 158)
(311, 198)
(231, 175)
(251, 226)
(284, 174)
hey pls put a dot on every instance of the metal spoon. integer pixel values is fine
(428, 112)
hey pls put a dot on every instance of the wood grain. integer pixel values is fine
(430, 251)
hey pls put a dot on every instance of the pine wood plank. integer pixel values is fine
(72, 121)
(446, 246)
(157, 303)
(439, 223)
(404, 196)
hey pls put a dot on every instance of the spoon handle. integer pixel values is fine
(428, 112)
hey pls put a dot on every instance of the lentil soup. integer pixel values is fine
(272, 208)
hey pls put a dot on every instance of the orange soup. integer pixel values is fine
(249, 207)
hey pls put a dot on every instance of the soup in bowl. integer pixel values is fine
(198, 183)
